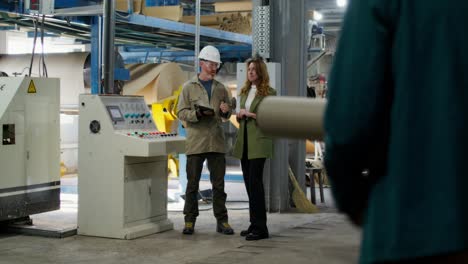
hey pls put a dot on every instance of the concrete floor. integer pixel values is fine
(325, 237)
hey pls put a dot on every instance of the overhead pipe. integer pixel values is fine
(108, 46)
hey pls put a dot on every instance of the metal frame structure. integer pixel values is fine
(83, 20)
(132, 29)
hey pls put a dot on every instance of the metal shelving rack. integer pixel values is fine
(138, 38)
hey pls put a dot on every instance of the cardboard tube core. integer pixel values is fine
(292, 117)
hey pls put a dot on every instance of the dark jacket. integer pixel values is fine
(398, 106)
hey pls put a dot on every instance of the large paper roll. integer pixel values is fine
(68, 67)
(292, 117)
(154, 81)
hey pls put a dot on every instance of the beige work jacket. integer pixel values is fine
(204, 134)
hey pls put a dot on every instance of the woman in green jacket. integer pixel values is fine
(252, 147)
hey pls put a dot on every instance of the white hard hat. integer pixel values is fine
(210, 53)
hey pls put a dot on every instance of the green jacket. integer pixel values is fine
(398, 106)
(205, 134)
(258, 145)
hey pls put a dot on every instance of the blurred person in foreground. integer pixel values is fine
(398, 110)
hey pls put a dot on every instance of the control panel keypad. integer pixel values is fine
(150, 134)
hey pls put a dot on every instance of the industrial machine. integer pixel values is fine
(122, 164)
(165, 111)
(165, 116)
(30, 146)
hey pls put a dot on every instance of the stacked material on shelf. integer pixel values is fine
(122, 5)
(233, 6)
(169, 12)
(238, 22)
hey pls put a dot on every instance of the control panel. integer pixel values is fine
(131, 116)
(121, 149)
(129, 113)
(150, 135)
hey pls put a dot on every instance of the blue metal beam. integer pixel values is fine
(121, 74)
(130, 49)
(95, 56)
(180, 56)
(131, 60)
(161, 2)
(187, 28)
(71, 3)
(137, 48)
(2, 28)
(234, 48)
(165, 54)
(11, 7)
(168, 54)
(46, 34)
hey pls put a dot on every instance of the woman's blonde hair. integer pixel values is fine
(263, 78)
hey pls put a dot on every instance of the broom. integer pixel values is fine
(299, 198)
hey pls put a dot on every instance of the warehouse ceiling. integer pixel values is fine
(165, 38)
(332, 14)
(140, 37)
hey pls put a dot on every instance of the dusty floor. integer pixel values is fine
(325, 237)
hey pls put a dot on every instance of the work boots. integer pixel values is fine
(189, 228)
(224, 228)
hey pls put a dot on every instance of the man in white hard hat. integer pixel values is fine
(203, 104)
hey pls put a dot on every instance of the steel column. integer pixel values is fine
(96, 54)
(288, 47)
(108, 46)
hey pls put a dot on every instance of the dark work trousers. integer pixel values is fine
(217, 168)
(253, 178)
